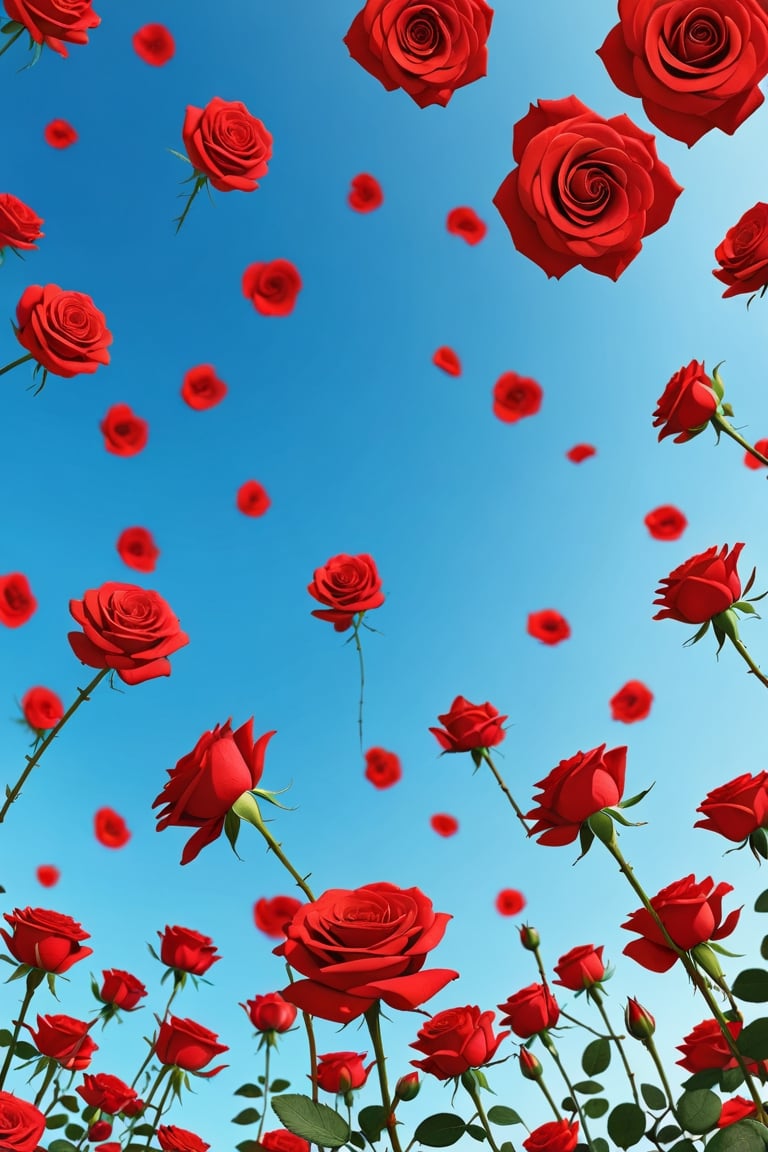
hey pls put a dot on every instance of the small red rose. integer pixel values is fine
(271, 1013)
(531, 1010)
(342, 1072)
(687, 404)
(17, 603)
(702, 587)
(466, 223)
(735, 1109)
(443, 824)
(580, 452)
(188, 1045)
(60, 134)
(48, 875)
(63, 331)
(575, 790)
(631, 703)
(446, 359)
(272, 287)
(548, 626)
(64, 1039)
(125, 433)
(580, 968)
(365, 194)
(751, 461)
(665, 522)
(515, 397)
(509, 902)
(281, 1140)
(201, 388)
(154, 44)
(555, 1136)
(691, 912)
(272, 915)
(54, 23)
(110, 828)
(468, 727)
(253, 499)
(99, 1130)
(137, 549)
(638, 1020)
(456, 1040)
(187, 950)
(737, 809)
(173, 1139)
(19, 225)
(105, 1092)
(382, 768)
(42, 708)
(743, 254)
(46, 940)
(346, 586)
(121, 989)
(227, 145)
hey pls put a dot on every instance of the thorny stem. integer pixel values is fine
(358, 645)
(372, 1019)
(486, 755)
(200, 182)
(595, 995)
(475, 1096)
(275, 847)
(546, 1040)
(722, 425)
(586, 1027)
(742, 651)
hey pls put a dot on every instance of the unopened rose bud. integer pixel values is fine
(638, 1020)
(529, 938)
(530, 1066)
(101, 1130)
(407, 1087)
(706, 960)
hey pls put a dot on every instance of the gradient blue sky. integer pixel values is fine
(365, 447)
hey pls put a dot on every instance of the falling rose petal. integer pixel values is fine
(125, 433)
(515, 397)
(110, 828)
(201, 388)
(509, 902)
(154, 44)
(548, 626)
(750, 461)
(666, 522)
(632, 702)
(60, 134)
(17, 603)
(444, 824)
(137, 549)
(446, 359)
(271, 915)
(252, 498)
(273, 287)
(466, 223)
(382, 768)
(47, 875)
(580, 452)
(365, 194)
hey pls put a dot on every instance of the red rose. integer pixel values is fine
(346, 585)
(446, 359)
(666, 522)
(17, 603)
(154, 44)
(48, 875)
(19, 225)
(509, 902)
(444, 824)
(743, 254)
(586, 190)
(638, 1020)
(99, 1130)
(456, 1040)
(735, 1109)
(548, 626)
(576, 790)
(110, 829)
(515, 397)
(42, 708)
(173, 1139)
(751, 461)
(201, 388)
(466, 223)
(208, 780)
(695, 65)
(272, 287)
(252, 498)
(687, 404)
(281, 1140)
(706, 1047)
(63, 331)
(468, 727)
(427, 49)
(702, 587)
(64, 1039)
(227, 145)
(382, 768)
(121, 989)
(54, 22)
(736, 809)
(342, 1071)
(580, 452)
(348, 971)
(45, 940)
(125, 433)
(365, 194)
(556, 1136)
(580, 968)
(60, 134)
(137, 549)
(270, 1013)
(187, 950)
(127, 628)
(108, 1093)
(690, 911)
(631, 703)
(530, 1011)
(271, 916)
(21, 1124)
(188, 1045)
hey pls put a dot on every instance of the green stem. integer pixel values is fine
(266, 1092)
(50, 1072)
(159, 1108)
(475, 1096)
(359, 647)
(311, 1043)
(486, 755)
(12, 40)
(83, 694)
(651, 1047)
(742, 651)
(586, 1027)
(150, 1054)
(33, 981)
(722, 425)
(29, 356)
(275, 847)
(372, 1019)
(548, 1098)
(200, 182)
(546, 1040)
(595, 995)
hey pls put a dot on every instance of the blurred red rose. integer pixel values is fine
(19, 225)
(665, 522)
(60, 134)
(46, 940)
(42, 708)
(365, 194)
(110, 828)
(466, 223)
(48, 875)
(743, 254)
(515, 397)
(691, 912)
(121, 989)
(63, 331)
(575, 790)
(631, 703)
(201, 388)
(270, 1013)
(446, 359)
(456, 1040)
(17, 603)
(137, 549)
(751, 461)
(252, 498)
(580, 968)
(272, 915)
(735, 1109)
(281, 1140)
(702, 587)
(64, 1039)
(687, 404)
(173, 1139)
(548, 626)
(444, 824)
(531, 1010)
(154, 44)
(54, 22)
(187, 950)
(468, 726)
(188, 1045)
(125, 433)
(346, 585)
(99, 1130)
(272, 287)
(21, 1124)
(382, 768)
(227, 145)
(509, 902)
(342, 1071)
(108, 1093)
(736, 809)
(556, 1136)
(580, 452)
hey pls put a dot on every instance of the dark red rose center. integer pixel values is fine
(15, 598)
(421, 34)
(586, 191)
(701, 39)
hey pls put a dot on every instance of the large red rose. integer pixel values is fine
(456, 1040)
(108, 1093)
(586, 190)
(531, 1010)
(42, 708)
(208, 780)
(687, 404)
(129, 629)
(429, 48)
(690, 911)
(64, 331)
(271, 915)
(349, 969)
(43, 939)
(580, 968)
(346, 585)
(468, 726)
(64, 1039)
(227, 144)
(736, 809)
(21, 1124)
(555, 1136)
(55, 22)
(576, 790)
(702, 587)
(187, 950)
(743, 254)
(173, 1139)
(188, 1045)
(342, 1071)
(19, 225)
(696, 64)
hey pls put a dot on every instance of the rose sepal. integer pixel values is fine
(717, 382)
(758, 844)
(601, 825)
(637, 798)
(705, 959)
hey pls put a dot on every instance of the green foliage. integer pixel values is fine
(730, 1079)
(5, 1037)
(744, 1136)
(626, 1125)
(500, 1114)
(74, 1132)
(314, 1122)
(61, 1146)
(247, 1116)
(476, 1132)
(761, 904)
(440, 1130)
(57, 1121)
(706, 1079)
(357, 1139)
(371, 1121)
(71, 1103)
(279, 1085)
(699, 1111)
(595, 1108)
(596, 1057)
(247, 1146)
(751, 985)
(668, 1133)
(25, 1051)
(653, 1096)
(588, 1087)
(249, 1090)
(753, 1040)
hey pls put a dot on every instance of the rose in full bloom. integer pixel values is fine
(575, 790)
(548, 626)
(665, 522)
(42, 708)
(702, 587)
(63, 331)
(173, 1139)
(466, 223)
(705, 1047)
(21, 1124)
(272, 287)
(555, 1136)
(48, 875)
(580, 452)
(444, 824)
(110, 828)
(427, 49)
(530, 1011)
(382, 768)
(121, 989)
(129, 629)
(687, 404)
(270, 1013)
(735, 1109)
(348, 971)
(631, 703)
(253, 499)
(468, 727)
(206, 782)
(64, 1039)
(691, 912)
(743, 254)
(45, 940)
(154, 44)
(187, 950)
(272, 915)
(736, 809)
(281, 1140)
(696, 66)
(515, 397)
(509, 902)
(446, 359)
(125, 433)
(346, 585)
(188, 1045)
(17, 603)
(60, 134)
(201, 388)
(456, 1040)
(137, 549)
(342, 1071)
(365, 194)
(19, 225)
(108, 1093)
(586, 190)
(55, 23)
(580, 968)
(227, 145)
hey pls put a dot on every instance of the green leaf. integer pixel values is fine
(739, 1137)
(314, 1122)
(706, 1079)
(5, 1037)
(476, 1132)
(71, 1103)
(600, 1145)
(751, 985)
(247, 1116)
(249, 1090)
(753, 1040)
(507, 1147)
(636, 799)
(597, 1057)
(699, 1111)
(731, 1079)
(371, 1121)
(500, 1114)
(25, 1051)
(232, 829)
(73, 1132)
(653, 1096)
(568, 1104)
(357, 1139)
(440, 1131)
(761, 904)
(586, 837)
(247, 1146)
(143, 1130)
(595, 1108)
(626, 1125)
(61, 1146)
(668, 1133)
(764, 948)
(684, 1146)
(57, 1121)
(588, 1087)
(279, 1085)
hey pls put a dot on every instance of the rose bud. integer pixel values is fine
(529, 938)
(270, 1013)
(121, 989)
(186, 950)
(581, 968)
(529, 1065)
(638, 1020)
(341, 1072)
(100, 1130)
(408, 1087)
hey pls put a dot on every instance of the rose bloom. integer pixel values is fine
(705, 1047)
(466, 223)
(121, 989)
(64, 1039)
(129, 629)
(348, 971)
(19, 225)
(187, 950)
(270, 1013)
(21, 1124)
(342, 1071)
(691, 912)
(428, 50)
(444, 824)
(580, 452)
(509, 902)
(201, 388)
(735, 1109)
(17, 603)
(108, 1093)
(205, 783)
(548, 626)
(271, 916)
(751, 461)
(743, 254)
(702, 587)
(64, 331)
(42, 708)
(575, 790)
(154, 44)
(456, 1040)
(125, 433)
(281, 1140)
(46, 940)
(60, 134)
(48, 875)
(468, 727)
(382, 768)
(173, 1139)
(272, 287)
(696, 66)
(99, 1130)
(188, 1045)
(665, 522)
(227, 145)
(137, 549)
(736, 809)
(110, 828)
(687, 404)
(531, 1010)
(253, 499)
(555, 1136)
(586, 190)
(365, 194)
(515, 397)
(446, 359)
(54, 22)
(346, 585)
(631, 703)
(580, 968)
